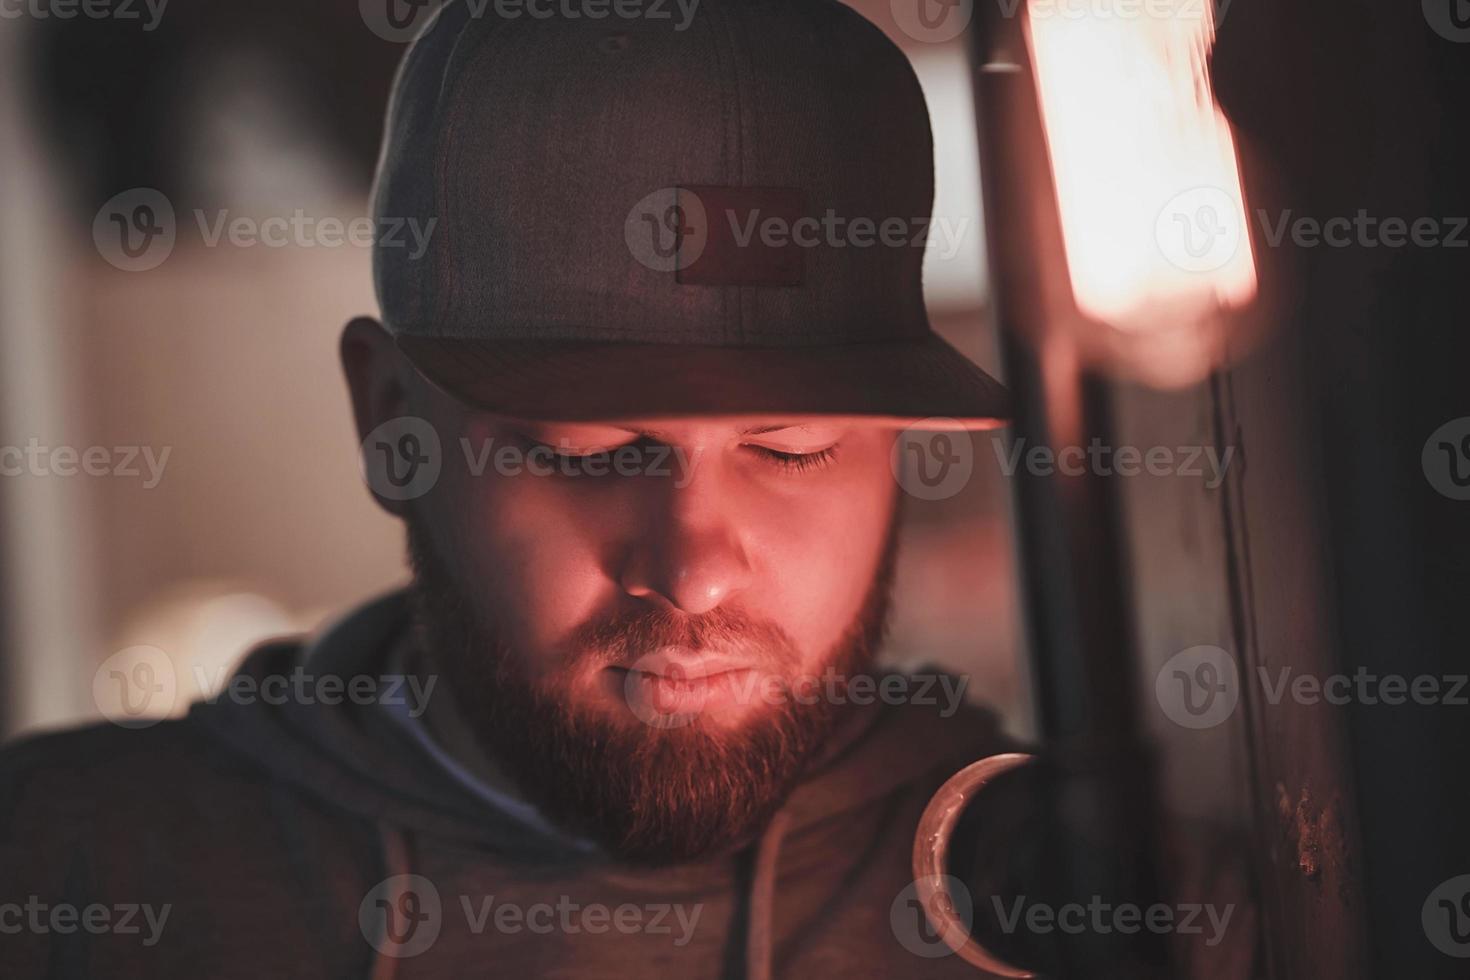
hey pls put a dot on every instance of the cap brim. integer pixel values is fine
(890, 382)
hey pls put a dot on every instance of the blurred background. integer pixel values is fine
(230, 509)
(223, 357)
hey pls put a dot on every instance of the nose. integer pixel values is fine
(688, 553)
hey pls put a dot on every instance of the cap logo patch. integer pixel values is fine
(738, 236)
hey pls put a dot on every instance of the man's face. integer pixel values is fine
(646, 596)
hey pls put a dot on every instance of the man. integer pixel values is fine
(635, 405)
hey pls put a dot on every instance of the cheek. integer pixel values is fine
(819, 560)
(526, 554)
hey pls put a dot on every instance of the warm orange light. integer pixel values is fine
(1152, 213)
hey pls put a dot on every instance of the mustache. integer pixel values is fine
(621, 639)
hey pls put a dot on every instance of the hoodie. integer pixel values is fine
(284, 837)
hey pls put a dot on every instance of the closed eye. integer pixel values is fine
(796, 462)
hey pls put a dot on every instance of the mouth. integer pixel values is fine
(663, 686)
(680, 664)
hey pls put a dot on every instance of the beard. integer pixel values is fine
(648, 792)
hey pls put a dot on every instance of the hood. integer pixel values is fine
(353, 756)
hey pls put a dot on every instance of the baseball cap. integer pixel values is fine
(638, 217)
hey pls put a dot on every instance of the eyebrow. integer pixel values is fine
(759, 429)
(754, 430)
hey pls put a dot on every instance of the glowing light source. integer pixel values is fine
(1152, 213)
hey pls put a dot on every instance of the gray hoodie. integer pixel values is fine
(303, 839)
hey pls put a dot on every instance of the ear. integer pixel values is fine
(377, 377)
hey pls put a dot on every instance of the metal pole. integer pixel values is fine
(1100, 809)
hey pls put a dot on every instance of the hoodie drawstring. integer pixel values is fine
(761, 898)
(395, 862)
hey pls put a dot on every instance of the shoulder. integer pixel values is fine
(90, 750)
(68, 768)
(70, 782)
(934, 728)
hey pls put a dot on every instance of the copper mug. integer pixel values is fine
(931, 856)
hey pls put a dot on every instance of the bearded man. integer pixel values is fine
(635, 404)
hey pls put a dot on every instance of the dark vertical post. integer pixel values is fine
(1072, 551)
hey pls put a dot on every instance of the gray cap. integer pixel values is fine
(645, 216)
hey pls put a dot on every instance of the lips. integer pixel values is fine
(676, 664)
(671, 686)
(662, 696)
